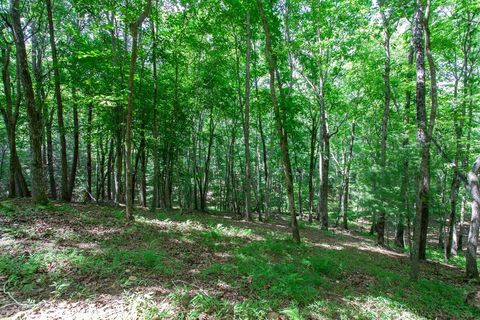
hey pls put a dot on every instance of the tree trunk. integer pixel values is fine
(33, 115)
(423, 177)
(265, 171)
(471, 254)
(246, 125)
(281, 131)
(89, 151)
(156, 153)
(129, 116)
(10, 116)
(110, 164)
(459, 246)
(386, 110)
(311, 167)
(58, 96)
(204, 183)
(51, 170)
(76, 137)
(406, 165)
(324, 167)
(346, 191)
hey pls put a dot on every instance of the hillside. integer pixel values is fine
(77, 261)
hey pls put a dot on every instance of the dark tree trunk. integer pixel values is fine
(58, 96)
(34, 116)
(110, 164)
(89, 150)
(265, 171)
(76, 138)
(50, 167)
(10, 115)
(422, 191)
(424, 131)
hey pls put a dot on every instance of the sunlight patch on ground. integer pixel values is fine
(327, 246)
(105, 307)
(192, 225)
(382, 308)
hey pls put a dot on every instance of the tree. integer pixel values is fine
(471, 255)
(10, 112)
(65, 194)
(128, 128)
(281, 131)
(246, 123)
(386, 111)
(34, 115)
(424, 132)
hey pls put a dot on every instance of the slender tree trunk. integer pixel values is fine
(110, 164)
(101, 170)
(406, 165)
(89, 150)
(324, 168)
(346, 192)
(423, 177)
(281, 131)
(300, 184)
(204, 184)
(323, 147)
(246, 125)
(58, 97)
(156, 153)
(76, 138)
(129, 116)
(459, 245)
(51, 169)
(386, 110)
(311, 167)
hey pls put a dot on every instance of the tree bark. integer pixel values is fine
(471, 254)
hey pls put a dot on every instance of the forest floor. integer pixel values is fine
(76, 261)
